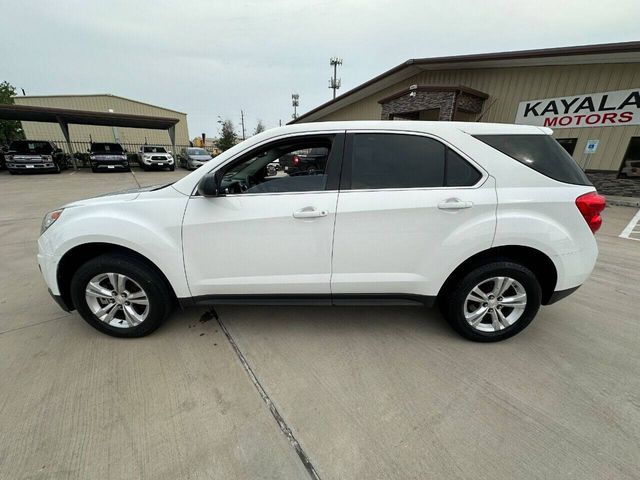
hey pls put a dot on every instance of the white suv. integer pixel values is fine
(488, 221)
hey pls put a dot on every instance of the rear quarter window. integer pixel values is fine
(542, 153)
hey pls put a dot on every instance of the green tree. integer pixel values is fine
(259, 128)
(9, 129)
(228, 136)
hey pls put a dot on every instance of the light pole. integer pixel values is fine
(334, 83)
(295, 101)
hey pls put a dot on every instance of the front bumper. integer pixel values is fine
(158, 163)
(60, 301)
(29, 167)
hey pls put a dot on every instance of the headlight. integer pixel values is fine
(146, 156)
(49, 219)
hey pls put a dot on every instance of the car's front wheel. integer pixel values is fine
(120, 295)
(492, 302)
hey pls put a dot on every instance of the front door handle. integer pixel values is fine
(310, 212)
(454, 204)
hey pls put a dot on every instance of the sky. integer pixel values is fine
(213, 58)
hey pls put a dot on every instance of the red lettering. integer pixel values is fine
(611, 117)
(565, 120)
(550, 122)
(595, 117)
(625, 117)
(579, 119)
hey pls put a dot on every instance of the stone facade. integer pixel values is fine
(447, 100)
(608, 184)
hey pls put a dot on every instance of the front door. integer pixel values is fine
(270, 234)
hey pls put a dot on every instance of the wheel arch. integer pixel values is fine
(77, 256)
(538, 262)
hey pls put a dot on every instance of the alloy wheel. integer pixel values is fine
(117, 300)
(495, 304)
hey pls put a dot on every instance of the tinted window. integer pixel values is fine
(106, 147)
(540, 152)
(382, 160)
(24, 146)
(460, 173)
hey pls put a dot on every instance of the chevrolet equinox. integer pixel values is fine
(487, 221)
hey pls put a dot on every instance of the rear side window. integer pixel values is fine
(459, 173)
(541, 153)
(382, 160)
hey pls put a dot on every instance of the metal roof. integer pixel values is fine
(601, 53)
(82, 117)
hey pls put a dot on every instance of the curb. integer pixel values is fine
(622, 201)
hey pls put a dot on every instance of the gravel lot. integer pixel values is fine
(382, 392)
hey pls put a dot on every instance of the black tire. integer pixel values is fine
(155, 287)
(94, 169)
(172, 168)
(58, 169)
(13, 172)
(452, 302)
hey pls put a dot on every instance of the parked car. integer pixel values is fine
(35, 155)
(152, 156)
(108, 157)
(193, 157)
(631, 169)
(487, 221)
(304, 160)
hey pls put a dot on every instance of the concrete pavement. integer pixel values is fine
(382, 392)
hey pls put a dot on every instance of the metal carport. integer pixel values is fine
(64, 117)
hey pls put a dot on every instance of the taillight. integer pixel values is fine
(590, 206)
(296, 160)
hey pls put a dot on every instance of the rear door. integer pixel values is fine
(410, 209)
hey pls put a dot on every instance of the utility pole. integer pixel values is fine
(280, 122)
(295, 101)
(334, 83)
(242, 122)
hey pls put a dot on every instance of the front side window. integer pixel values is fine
(384, 160)
(298, 165)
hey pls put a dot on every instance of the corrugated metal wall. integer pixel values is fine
(102, 103)
(507, 87)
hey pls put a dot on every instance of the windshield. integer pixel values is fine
(154, 150)
(197, 151)
(23, 146)
(107, 147)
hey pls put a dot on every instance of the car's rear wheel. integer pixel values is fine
(120, 295)
(492, 302)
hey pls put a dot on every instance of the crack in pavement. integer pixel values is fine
(284, 428)
(33, 324)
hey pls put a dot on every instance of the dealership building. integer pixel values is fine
(103, 103)
(589, 95)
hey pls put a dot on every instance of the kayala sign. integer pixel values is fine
(605, 109)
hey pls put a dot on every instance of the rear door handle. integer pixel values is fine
(310, 212)
(454, 204)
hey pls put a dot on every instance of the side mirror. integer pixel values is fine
(209, 185)
(88, 150)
